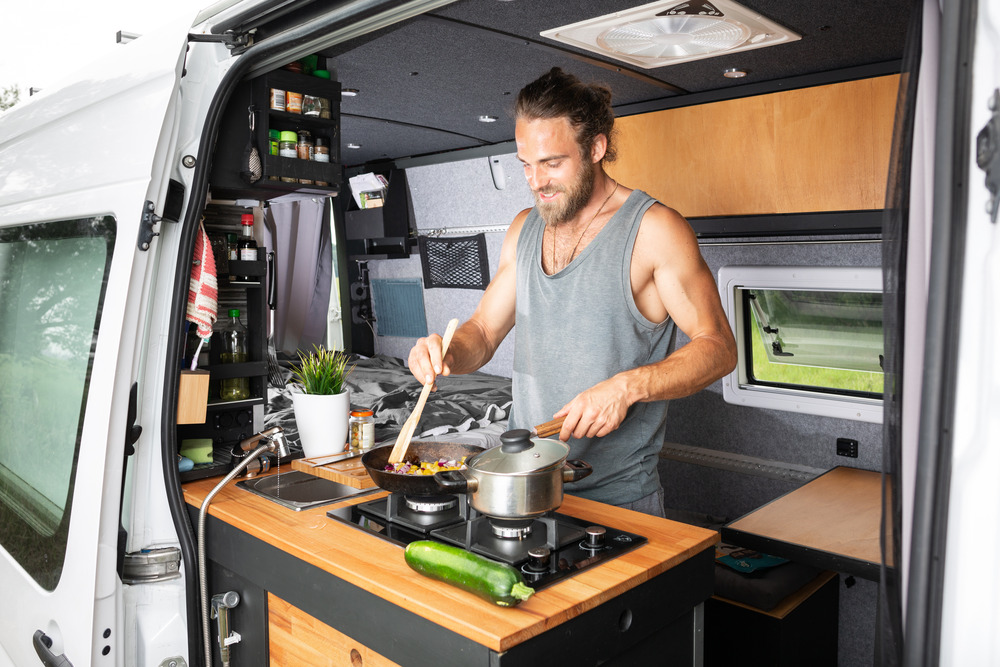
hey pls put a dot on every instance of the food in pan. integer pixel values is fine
(425, 467)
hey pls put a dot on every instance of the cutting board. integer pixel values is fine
(347, 471)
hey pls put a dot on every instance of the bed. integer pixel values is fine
(470, 408)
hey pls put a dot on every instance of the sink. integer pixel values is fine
(299, 490)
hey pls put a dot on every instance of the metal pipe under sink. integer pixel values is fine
(273, 440)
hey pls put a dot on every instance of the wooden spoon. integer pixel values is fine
(410, 425)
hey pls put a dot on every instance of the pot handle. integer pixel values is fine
(453, 481)
(573, 471)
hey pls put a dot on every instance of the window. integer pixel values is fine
(53, 278)
(809, 339)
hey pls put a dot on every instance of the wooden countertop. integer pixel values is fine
(377, 565)
(831, 522)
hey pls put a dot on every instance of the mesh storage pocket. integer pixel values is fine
(459, 261)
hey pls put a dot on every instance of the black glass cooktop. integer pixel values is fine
(546, 549)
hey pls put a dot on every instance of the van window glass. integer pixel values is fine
(53, 278)
(829, 341)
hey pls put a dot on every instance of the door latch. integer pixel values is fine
(149, 220)
(988, 155)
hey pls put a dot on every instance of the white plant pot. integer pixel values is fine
(322, 422)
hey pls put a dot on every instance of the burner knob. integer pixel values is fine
(538, 559)
(595, 537)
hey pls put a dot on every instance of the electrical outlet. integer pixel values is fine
(847, 447)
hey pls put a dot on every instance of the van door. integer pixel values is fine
(78, 167)
(952, 611)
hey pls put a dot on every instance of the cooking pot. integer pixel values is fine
(521, 478)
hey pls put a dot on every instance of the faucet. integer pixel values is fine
(271, 440)
(221, 604)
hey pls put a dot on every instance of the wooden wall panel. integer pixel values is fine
(824, 148)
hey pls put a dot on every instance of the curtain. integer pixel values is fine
(298, 231)
(905, 261)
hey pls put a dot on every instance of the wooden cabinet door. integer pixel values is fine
(296, 638)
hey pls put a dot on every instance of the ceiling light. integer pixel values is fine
(487, 119)
(353, 146)
(734, 73)
(669, 32)
(349, 92)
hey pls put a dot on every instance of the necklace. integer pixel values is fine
(572, 253)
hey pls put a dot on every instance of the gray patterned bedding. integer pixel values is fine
(470, 408)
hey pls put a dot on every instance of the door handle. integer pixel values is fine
(43, 647)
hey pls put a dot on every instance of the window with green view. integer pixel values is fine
(828, 341)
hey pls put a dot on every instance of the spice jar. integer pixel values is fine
(287, 148)
(277, 99)
(273, 141)
(324, 107)
(306, 149)
(293, 102)
(310, 105)
(362, 430)
(321, 153)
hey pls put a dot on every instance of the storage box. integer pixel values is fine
(192, 397)
(800, 630)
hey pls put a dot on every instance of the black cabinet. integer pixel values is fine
(229, 422)
(281, 175)
(382, 232)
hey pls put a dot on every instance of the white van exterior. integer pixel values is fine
(101, 184)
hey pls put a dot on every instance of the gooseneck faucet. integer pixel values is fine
(271, 440)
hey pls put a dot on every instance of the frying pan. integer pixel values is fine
(376, 459)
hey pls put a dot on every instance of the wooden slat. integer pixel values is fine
(824, 148)
(378, 566)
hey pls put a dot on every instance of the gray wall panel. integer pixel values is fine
(455, 195)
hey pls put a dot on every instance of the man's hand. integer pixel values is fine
(595, 412)
(425, 361)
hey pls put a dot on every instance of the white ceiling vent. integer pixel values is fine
(668, 33)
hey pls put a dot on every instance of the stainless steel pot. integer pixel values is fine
(522, 478)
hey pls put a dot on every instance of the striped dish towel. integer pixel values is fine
(203, 288)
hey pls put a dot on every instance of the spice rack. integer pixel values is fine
(329, 129)
(253, 96)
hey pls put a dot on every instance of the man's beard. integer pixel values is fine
(577, 195)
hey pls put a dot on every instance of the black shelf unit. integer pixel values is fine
(254, 95)
(229, 422)
(382, 232)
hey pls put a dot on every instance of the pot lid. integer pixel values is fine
(519, 453)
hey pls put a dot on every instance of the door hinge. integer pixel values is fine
(231, 39)
(152, 566)
(149, 220)
(988, 155)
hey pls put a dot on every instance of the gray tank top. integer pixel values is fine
(581, 326)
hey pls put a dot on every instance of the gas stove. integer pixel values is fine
(546, 549)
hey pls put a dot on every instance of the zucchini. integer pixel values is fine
(498, 583)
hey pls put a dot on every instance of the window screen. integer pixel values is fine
(809, 339)
(53, 278)
(823, 340)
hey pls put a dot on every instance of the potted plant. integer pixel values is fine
(323, 404)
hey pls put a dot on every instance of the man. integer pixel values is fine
(596, 276)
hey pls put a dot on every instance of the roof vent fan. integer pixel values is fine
(668, 33)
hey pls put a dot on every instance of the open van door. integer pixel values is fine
(952, 610)
(83, 182)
